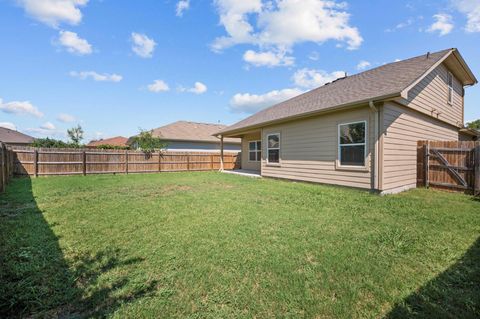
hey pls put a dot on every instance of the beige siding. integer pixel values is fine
(430, 96)
(402, 128)
(309, 150)
(246, 164)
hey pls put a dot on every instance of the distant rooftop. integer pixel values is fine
(191, 131)
(114, 141)
(14, 137)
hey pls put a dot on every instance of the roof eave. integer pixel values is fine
(470, 131)
(313, 113)
(465, 67)
(198, 140)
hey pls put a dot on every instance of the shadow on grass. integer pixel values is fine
(455, 293)
(35, 278)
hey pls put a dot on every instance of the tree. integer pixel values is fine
(50, 143)
(474, 124)
(76, 134)
(147, 142)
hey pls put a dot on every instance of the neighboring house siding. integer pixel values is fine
(308, 149)
(431, 96)
(199, 146)
(246, 164)
(402, 128)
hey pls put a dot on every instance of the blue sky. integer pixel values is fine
(115, 66)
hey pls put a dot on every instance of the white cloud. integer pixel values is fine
(105, 77)
(314, 56)
(54, 12)
(309, 78)
(282, 24)
(65, 118)
(362, 65)
(268, 58)
(182, 6)
(74, 44)
(198, 88)
(158, 86)
(443, 24)
(8, 125)
(143, 46)
(20, 108)
(48, 126)
(471, 8)
(251, 103)
(402, 25)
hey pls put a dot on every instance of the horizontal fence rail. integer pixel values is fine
(6, 166)
(452, 165)
(41, 162)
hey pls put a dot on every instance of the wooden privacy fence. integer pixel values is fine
(6, 166)
(44, 161)
(453, 165)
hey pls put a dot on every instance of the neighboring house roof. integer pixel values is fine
(114, 141)
(9, 136)
(384, 82)
(192, 132)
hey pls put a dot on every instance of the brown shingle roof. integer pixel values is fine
(386, 80)
(191, 131)
(114, 141)
(14, 137)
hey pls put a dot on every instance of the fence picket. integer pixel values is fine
(476, 182)
(6, 166)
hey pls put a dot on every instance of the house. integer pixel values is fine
(14, 138)
(183, 136)
(361, 130)
(118, 141)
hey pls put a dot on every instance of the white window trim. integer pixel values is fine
(339, 153)
(274, 148)
(450, 88)
(255, 151)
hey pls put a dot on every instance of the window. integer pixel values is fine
(450, 87)
(254, 151)
(352, 143)
(273, 148)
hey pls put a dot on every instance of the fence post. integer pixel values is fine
(2, 169)
(426, 161)
(211, 162)
(35, 163)
(188, 162)
(126, 161)
(159, 161)
(476, 183)
(84, 161)
(7, 164)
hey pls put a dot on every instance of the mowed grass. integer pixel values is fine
(212, 245)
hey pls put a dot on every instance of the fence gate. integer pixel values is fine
(450, 165)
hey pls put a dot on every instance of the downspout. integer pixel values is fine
(376, 150)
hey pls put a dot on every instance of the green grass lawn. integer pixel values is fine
(211, 245)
